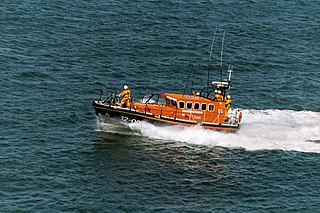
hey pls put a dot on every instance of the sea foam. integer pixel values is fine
(260, 130)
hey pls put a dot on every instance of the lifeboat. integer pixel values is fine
(208, 108)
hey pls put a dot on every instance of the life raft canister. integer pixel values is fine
(240, 117)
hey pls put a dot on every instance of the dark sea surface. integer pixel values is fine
(56, 56)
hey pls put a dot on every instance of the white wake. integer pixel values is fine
(260, 129)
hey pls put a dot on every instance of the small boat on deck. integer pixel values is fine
(208, 108)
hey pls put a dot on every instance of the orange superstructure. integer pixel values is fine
(186, 108)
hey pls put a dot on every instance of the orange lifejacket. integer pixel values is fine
(125, 93)
(217, 97)
(228, 104)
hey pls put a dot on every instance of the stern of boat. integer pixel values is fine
(234, 116)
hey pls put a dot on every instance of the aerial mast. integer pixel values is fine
(210, 56)
(224, 32)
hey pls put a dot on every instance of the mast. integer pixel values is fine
(224, 32)
(230, 71)
(185, 89)
(210, 56)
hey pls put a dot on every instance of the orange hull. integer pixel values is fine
(177, 109)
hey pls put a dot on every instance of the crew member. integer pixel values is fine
(125, 102)
(218, 96)
(228, 105)
(228, 102)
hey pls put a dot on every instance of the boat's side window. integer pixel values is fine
(203, 106)
(196, 106)
(181, 104)
(189, 105)
(211, 107)
(173, 103)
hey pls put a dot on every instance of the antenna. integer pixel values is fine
(185, 89)
(224, 32)
(230, 71)
(184, 92)
(192, 83)
(210, 56)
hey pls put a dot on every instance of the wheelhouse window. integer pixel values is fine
(189, 105)
(171, 103)
(181, 104)
(196, 106)
(203, 106)
(211, 107)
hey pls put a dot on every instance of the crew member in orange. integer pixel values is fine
(218, 96)
(228, 105)
(125, 102)
(228, 102)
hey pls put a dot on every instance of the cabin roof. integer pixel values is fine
(183, 97)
